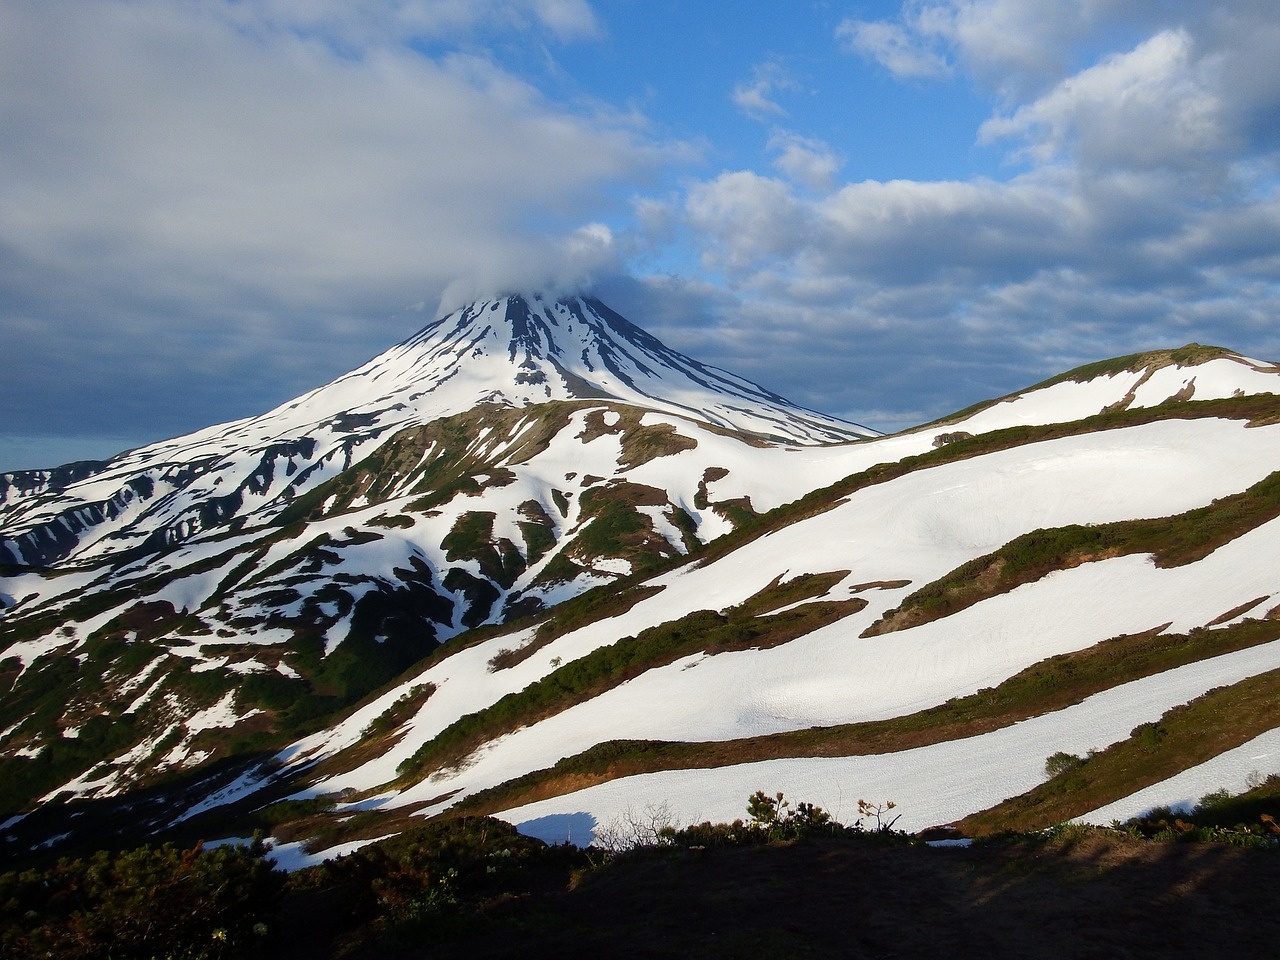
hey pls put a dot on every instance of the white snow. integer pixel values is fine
(912, 529)
(917, 528)
(930, 785)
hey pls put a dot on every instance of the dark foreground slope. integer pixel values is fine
(1079, 895)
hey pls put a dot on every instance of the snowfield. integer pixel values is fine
(931, 785)
(916, 528)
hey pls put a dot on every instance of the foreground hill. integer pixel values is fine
(970, 599)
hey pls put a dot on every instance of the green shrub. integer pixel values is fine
(434, 877)
(1062, 762)
(145, 903)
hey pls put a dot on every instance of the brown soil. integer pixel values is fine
(1094, 896)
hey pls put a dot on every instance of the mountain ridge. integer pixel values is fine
(285, 585)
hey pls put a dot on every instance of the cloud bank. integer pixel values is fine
(210, 206)
(1139, 209)
(189, 186)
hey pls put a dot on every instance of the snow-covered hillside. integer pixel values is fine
(508, 456)
(880, 543)
(224, 593)
(886, 540)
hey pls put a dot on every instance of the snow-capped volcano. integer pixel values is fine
(509, 456)
(520, 350)
(514, 351)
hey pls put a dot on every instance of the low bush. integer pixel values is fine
(435, 877)
(145, 903)
(1062, 762)
(1246, 819)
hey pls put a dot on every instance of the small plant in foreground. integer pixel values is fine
(778, 820)
(880, 811)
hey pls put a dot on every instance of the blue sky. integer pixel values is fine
(883, 210)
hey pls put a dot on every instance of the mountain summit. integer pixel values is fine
(520, 350)
(514, 351)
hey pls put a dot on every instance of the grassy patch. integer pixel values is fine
(472, 539)
(737, 628)
(1183, 737)
(538, 530)
(1251, 818)
(1262, 408)
(405, 707)
(1191, 354)
(602, 606)
(392, 521)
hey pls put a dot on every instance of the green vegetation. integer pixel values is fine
(1246, 819)
(618, 529)
(393, 521)
(405, 707)
(538, 531)
(472, 539)
(1191, 354)
(1188, 355)
(640, 442)
(474, 886)
(1051, 684)
(1255, 409)
(431, 879)
(1183, 737)
(146, 903)
(1062, 762)
(593, 606)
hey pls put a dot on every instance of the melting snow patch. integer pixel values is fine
(1232, 770)
(221, 714)
(295, 856)
(618, 565)
(246, 667)
(56, 839)
(663, 526)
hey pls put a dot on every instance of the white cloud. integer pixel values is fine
(168, 173)
(356, 26)
(804, 159)
(749, 219)
(756, 97)
(1148, 107)
(1145, 212)
(1018, 48)
(902, 51)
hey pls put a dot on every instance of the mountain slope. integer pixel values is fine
(217, 595)
(779, 647)
(257, 575)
